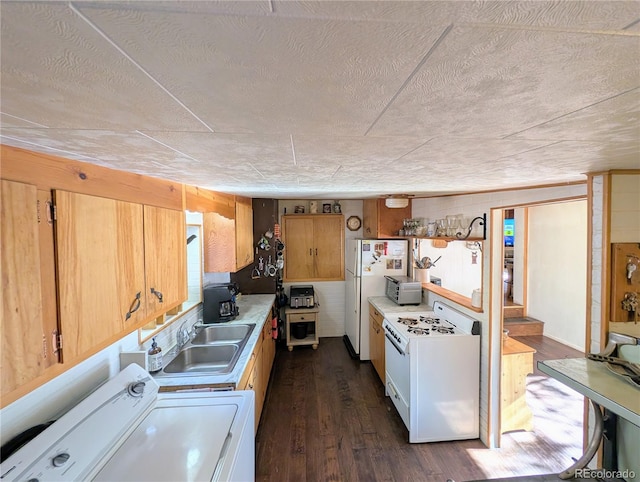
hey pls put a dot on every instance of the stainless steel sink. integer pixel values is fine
(215, 334)
(214, 350)
(204, 358)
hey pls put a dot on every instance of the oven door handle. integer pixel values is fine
(394, 343)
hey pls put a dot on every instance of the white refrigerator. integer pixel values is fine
(367, 262)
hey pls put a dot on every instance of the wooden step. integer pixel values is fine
(513, 311)
(523, 326)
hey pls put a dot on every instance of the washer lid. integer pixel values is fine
(174, 442)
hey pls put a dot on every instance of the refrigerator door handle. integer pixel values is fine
(356, 255)
(355, 290)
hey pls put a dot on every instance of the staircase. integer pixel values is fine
(523, 326)
(518, 324)
(513, 311)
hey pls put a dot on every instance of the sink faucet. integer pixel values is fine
(196, 326)
(183, 336)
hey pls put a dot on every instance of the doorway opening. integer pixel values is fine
(543, 304)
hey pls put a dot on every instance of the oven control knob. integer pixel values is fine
(60, 459)
(136, 389)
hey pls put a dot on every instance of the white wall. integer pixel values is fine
(557, 270)
(455, 268)
(474, 205)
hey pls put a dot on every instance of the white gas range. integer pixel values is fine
(432, 370)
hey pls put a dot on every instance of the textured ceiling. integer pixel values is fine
(323, 99)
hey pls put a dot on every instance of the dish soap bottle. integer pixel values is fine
(155, 357)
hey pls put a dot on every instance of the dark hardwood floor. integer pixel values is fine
(326, 418)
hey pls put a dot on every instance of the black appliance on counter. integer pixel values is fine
(219, 304)
(302, 296)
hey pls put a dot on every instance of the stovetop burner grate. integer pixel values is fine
(442, 329)
(416, 330)
(407, 321)
(430, 320)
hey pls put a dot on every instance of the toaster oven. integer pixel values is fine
(403, 290)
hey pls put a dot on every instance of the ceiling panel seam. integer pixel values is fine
(25, 120)
(632, 24)
(166, 145)
(81, 156)
(293, 150)
(257, 170)
(570, 113)
(130, 59)
(411, 76)
(535, 28)
(415, 148)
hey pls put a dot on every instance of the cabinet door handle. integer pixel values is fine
(316, 251)
(158, 294)
(134, 306)
(310, 252)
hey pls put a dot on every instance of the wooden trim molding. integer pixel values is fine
(452, 295)
(519, 188)
(606, 261)
(51, 172)
(206, 201)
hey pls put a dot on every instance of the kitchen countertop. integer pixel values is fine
(594, 380)
(252, 309)
(515, 347)
(386, 306)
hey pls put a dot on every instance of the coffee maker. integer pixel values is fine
(219, 304)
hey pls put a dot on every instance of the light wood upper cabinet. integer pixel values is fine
(328, 232)
(79, 278)
(298, 255)
(165, 254)
(244, 232)
(314, 247)
(379, 221)
(228, 237)
(101, 270)
(26, 344)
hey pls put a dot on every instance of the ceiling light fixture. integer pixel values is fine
(397, 201)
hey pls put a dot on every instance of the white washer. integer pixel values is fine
(127, 430)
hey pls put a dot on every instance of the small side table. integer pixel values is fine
(302, 315)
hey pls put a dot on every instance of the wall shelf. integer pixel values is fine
(453, 296)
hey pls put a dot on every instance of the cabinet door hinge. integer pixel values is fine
(56, 341)
(49, 211)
